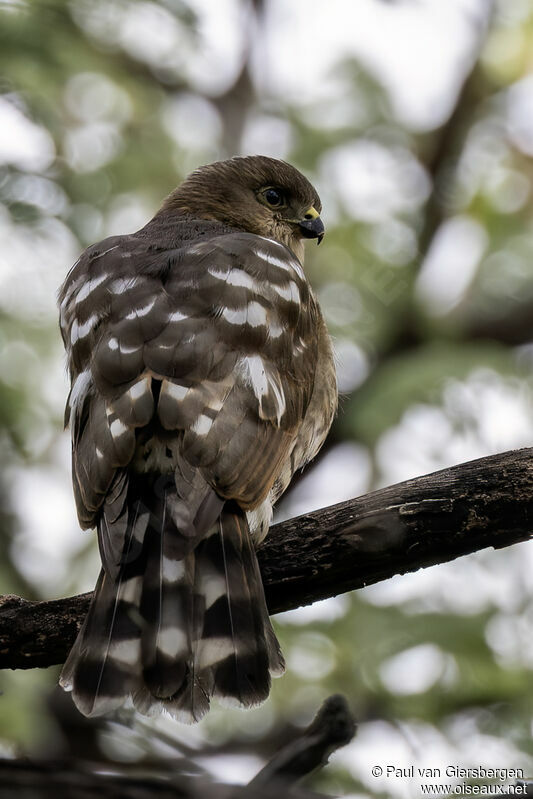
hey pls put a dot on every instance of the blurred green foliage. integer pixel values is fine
(109, 105)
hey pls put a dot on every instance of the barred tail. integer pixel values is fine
(238, 650)
(102, 667)
(172, 625)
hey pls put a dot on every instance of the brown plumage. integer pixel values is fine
(202, 378)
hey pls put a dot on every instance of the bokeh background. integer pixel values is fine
(414, 118)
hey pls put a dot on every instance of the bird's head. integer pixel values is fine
(257, 194)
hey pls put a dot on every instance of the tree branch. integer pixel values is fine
(332, 727)
(447, 143)
(427, 520)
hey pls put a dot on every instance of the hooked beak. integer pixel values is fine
(312, 226)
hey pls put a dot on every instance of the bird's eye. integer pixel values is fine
(274, 197)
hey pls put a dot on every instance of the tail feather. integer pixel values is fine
(101, 669)
(174, 621)
(276, 661)
(234, 652)
(104, 664)
(166, 609)
(121, 528)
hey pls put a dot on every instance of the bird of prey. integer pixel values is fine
(202, 378)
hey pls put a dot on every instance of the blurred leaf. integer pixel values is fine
(415, 377)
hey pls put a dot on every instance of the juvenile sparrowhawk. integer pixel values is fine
(202, 379)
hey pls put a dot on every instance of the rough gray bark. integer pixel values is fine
(427, 520)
